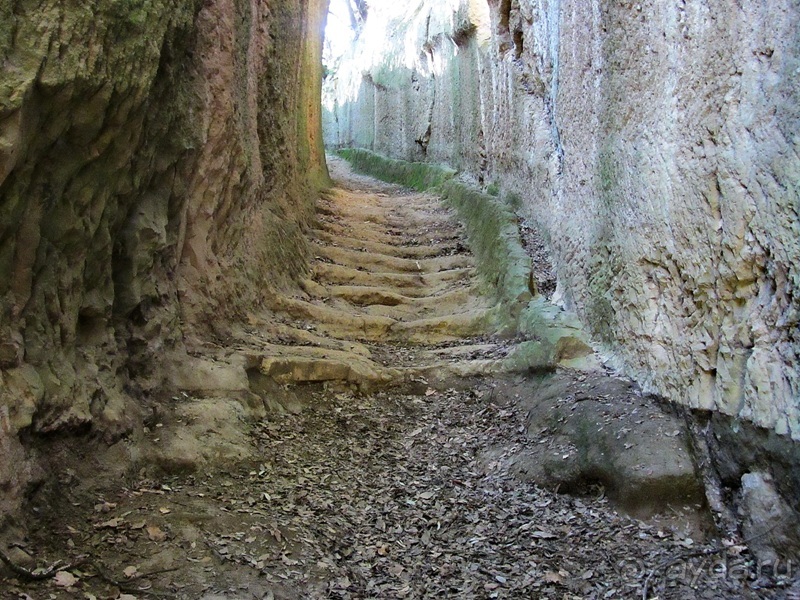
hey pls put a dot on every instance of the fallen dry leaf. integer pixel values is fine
(130, 571)
(111, 524)
(544, 535)
(65, 579)
(156, 534)
(552, 577)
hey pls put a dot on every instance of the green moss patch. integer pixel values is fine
(419, 176)
(504, 266)
(494, 239)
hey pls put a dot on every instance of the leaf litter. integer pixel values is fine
(378, 496)
(388, 495)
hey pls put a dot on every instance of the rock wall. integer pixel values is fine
(656, 146)
(158, 160)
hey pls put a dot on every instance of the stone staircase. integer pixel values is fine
(392, 298)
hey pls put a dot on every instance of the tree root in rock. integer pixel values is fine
(724, 519)
(84, 561)
(687, 555)
(675, 560)
(41, 575)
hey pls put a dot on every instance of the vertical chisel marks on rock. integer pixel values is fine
(652, 142)
(551, 102)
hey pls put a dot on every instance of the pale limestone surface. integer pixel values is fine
(655, 144)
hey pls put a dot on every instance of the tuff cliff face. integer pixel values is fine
(157, 166)
(655, 144)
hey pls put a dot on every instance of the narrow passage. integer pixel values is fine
(383, 469)
(393, 295)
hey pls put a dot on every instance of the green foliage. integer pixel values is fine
(493, 189)
(134, 13)
(138, 18)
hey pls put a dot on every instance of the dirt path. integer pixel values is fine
(384, 468)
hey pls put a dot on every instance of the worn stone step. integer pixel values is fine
(336, 228)
(386, 263)
(363, 214)
(373, 198)
(404, 283)
(340, 323)
(372, 208)
(265, 333)
(406, 313)
(369, 296)
(336, 322)
(401, 234)
(339, 228)
(303, 369)
(380, 301)
(440, 329)
(255, 356)
(401, 251)
(460, 352)
(368, 375)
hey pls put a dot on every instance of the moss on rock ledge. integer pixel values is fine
(504, 266)
(416, 175)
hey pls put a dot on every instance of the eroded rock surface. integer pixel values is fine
(598, 433)
(157, 164)
(394, 295)
(654, 143)
(395, 300)
(363, 434)
(769, 522)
